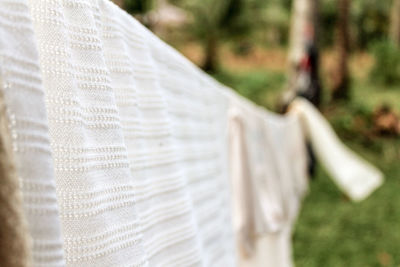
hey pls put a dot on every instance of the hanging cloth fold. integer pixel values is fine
(22, 88)
(121, 152)
(15, 241)
(355, 176)
(269, 181)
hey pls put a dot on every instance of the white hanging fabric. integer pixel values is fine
(355, 176)
(197, 113)
(23, 92)
(130, 185)
(269, 180)
(129, 155)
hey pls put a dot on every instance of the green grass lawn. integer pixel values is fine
(261, 87)
(331, 230)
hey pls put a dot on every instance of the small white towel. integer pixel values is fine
(355, 176)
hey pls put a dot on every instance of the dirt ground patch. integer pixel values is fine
(274, 59)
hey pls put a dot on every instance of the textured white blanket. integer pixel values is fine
(24, 97)
(122, 147)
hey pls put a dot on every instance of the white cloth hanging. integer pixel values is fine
(21, 85)
(269, 180)
(355, 176)
(114, 137)
(262, 242)
(198, 119)
(122, 147)
(95, 188)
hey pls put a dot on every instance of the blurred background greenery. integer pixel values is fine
(246, 44)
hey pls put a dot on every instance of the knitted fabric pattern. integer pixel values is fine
(22, 88)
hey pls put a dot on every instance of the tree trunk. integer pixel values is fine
(301, 15)
(304, 34)
(340, 88)
(304, 12)
(395, 23)
(211, 53)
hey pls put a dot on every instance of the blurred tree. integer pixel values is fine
(304, 14)
(217, 20)
(140, 9)
(386, 68)
(340, 89)
(303, 74)
(328, 16)
(275, 23)
(395, 23)
(370, 20)
(137, 6)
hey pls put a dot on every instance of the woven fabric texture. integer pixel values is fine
(121, 148)
(25, 104)
(14, 237)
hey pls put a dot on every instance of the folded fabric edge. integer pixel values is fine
(367, 187)
(362, 182)
(15, 242)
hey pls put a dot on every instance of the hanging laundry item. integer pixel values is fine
(242, 188)
(198, 117)
(15, 247)
(162, 200)
(269, 180)
(94, 183)
(355, 176)
(128, 155)
(128, 181)
(22, 88)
